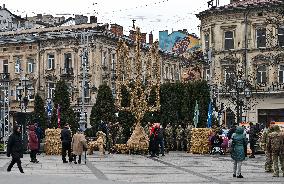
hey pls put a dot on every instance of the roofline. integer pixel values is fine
(18, 17)
(241, 8)
(50, 29)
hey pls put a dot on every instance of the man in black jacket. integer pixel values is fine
(66, 140)
(15, 148)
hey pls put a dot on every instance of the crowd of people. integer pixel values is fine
(234, 140)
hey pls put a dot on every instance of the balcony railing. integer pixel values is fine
(67, 72)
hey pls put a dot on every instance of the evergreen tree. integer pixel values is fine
(104, 108)
(39, 114)
(62, 99)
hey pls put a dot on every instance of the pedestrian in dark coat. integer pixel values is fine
(33, 143)
(154, 144)
(161, 141)
(39, 135)
(66, 140)
(15, 148)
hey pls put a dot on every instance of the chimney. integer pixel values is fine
(4, 6)
(151, 38)
(93, 19)
(116, 29)
(143, 37)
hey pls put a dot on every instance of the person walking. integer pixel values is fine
(253, 136)
(239, 142)
(66, 140)
(15, 148)
(79, 143)
(39, 135)
(33, 143)
(160, 140)
(154, 145)
(275, 148)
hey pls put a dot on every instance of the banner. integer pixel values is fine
(209, 117)
(196, 114)
(58, 116)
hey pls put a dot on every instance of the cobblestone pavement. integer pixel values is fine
(176, 167)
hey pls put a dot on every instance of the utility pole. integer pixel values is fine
(84, 60)
(246, 44)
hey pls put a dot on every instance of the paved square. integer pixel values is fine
(176, 167)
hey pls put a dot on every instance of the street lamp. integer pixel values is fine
(240, 94)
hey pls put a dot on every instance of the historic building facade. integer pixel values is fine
(36, 59)
(247, 38)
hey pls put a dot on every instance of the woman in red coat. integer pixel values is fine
(33, 143)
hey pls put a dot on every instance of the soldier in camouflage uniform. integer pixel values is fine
(180, 138)
(187, 132)
(268, 157)
(275, 147)
(168, 137)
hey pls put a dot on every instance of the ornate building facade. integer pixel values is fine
(36, 59)
(247, 41)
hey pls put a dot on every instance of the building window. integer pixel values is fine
(206, 39)
(113, 62)
(19, 91)
(104, 59)
(261, 37)
(229, 40)
(229, 75)
(207, 74)
(17, 66)
(67, 60)
(5, 66)
(30, 91)
(281, 74)
(261, 74)
(30, 47)
(30, 66)
(5, 49)
(167, 73)
(18, 48)
(281, 36)
(50, 61)
(50, 90)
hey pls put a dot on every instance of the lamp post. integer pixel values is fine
(240, 94)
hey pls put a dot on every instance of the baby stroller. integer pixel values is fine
(216, 142)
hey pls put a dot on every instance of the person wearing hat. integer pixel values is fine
(15, 148)
(79, 142)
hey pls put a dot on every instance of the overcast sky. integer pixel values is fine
(151, 15)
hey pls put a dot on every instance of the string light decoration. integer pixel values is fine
(139, 83)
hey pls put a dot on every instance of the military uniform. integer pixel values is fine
(168, 137)
(188, 137)
(275, 147)
(180, 138)
(268, 156)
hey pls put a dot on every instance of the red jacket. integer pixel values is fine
(33, 140)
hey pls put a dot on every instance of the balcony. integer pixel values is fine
(66, 73)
